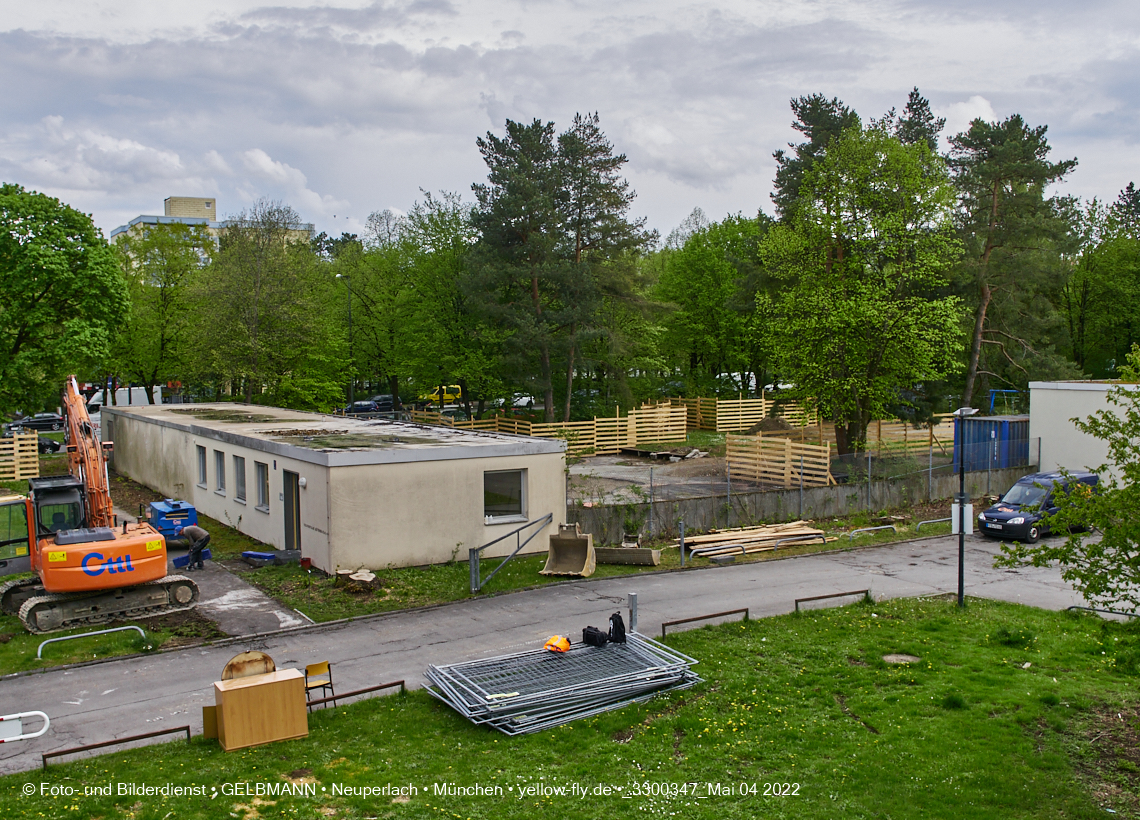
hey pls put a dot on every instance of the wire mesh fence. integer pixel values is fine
(530, 691)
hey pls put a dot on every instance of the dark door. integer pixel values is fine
(292, 512)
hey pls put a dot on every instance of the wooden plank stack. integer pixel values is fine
(19, 456)
(751, 539)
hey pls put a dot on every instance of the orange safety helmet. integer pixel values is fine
(556, 643)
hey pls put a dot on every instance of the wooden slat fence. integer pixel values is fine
(602, 436)
(734, 415)
(769, 460)
(19, 456)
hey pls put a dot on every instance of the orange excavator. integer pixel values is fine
(89, 569)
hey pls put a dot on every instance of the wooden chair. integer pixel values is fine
(318, 676)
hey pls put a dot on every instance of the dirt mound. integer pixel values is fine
(772, 424)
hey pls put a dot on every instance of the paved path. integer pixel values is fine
(131, 696)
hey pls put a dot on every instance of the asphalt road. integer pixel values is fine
(131, 696)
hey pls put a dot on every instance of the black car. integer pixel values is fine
(358, 408)
(40, 421)
(1018, 515)
(384, 402)
(45, 445)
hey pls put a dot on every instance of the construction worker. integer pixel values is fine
(198, 539)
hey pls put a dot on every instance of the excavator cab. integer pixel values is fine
(59, 503)
(14, 535)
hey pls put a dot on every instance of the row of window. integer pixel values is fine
(261, 477)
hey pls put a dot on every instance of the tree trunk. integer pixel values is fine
(569, 379)
(547, 386)
(976, 344)
(394, 387)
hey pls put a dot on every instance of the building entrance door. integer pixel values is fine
(292, 512)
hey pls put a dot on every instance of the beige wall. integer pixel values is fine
(432, 511)
(372, 515)
(165, 459)
(194, 206)
(1052, 406)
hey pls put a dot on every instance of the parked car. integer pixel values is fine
(40, 421)
(358, 408)
(384, 402)
(1017, 516)
(454, 415)
(44, 445)
(451, 394)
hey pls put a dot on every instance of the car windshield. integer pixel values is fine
(1025, 495)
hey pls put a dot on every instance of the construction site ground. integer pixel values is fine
(599, 480)
(126, 696)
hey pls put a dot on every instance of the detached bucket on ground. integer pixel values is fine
(570, 553)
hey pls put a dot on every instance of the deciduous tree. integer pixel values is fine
(870, 237)
(62, 297)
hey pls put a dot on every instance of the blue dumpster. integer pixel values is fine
(991, 442)
(168, 514)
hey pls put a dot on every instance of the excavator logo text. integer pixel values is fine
(94, 563)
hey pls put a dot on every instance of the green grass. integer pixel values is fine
(968, 731)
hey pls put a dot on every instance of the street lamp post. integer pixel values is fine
(351, 375)
(960, 434)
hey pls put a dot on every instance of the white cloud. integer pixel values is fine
(349, 106)
(959, 115)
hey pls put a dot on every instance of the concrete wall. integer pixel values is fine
(165, 459)
(1053, 406)
(701, 514)
(371, 515)
(432, 511)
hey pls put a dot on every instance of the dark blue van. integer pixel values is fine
(1018, 515)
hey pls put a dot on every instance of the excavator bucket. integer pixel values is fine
(571, 553)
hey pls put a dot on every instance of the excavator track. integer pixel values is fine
(51, 612)
(14, 593)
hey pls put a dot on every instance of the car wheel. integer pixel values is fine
(55, 425)
(1033, 534)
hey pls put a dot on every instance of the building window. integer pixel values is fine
(504, 496)
(262, 471)
(202, 467)
(239, 479)
(220, 472)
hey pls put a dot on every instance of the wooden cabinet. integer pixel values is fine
(261, 709)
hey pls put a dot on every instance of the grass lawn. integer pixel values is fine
(1010, 712)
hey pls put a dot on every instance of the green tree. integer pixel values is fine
(266, 314)
(870, 238)
(1014, 237)
(1101, 298)
(822, 121)
(159, 265)
(555, 242)
(1104, 569)
(708, 281)
(62, 297)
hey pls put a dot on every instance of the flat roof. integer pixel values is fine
(1099, 385)
(332, 441)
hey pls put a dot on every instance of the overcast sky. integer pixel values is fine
(345, 108)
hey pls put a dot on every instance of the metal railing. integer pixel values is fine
(12, 726)
(344, 695)
(864, 592)
(106, 743)
(473, 553)
(851, 535)
(39, 655)
(703, 618)
(920, 524)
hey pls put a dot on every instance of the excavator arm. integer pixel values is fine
(87, 457)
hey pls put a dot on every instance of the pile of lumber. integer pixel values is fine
(752, 539)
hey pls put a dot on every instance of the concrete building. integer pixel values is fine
(347, 492)
(1052, 408)
(193, 210)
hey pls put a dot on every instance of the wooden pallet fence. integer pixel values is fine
(772, 460)
(19, 457)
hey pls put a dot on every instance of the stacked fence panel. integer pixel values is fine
(778, 461)
(531, 691)
(19, 456)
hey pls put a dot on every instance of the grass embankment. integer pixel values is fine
(1010, 712)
